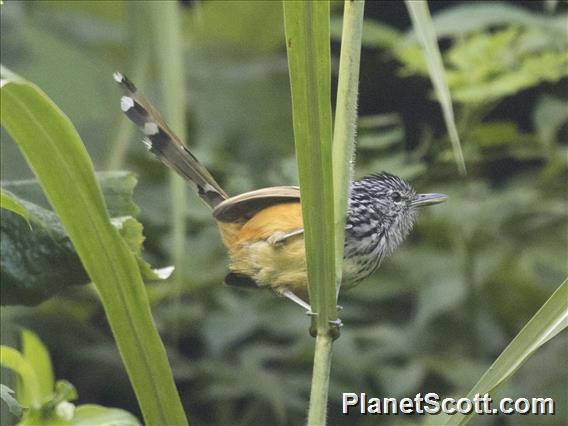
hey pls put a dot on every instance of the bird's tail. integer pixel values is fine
(163, 142)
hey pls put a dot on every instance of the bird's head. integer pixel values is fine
(386, 204)
(392, 195)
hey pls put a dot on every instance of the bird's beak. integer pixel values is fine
(428, 199)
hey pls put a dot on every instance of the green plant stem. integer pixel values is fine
(345, 121)
(320, 380)
(169, 54)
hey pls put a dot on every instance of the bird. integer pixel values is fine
(263, 229)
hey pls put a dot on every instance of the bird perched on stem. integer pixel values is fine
(263, 229)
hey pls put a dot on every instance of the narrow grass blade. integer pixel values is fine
(551, 319)
(346, 120)
(54, 151)
(307, 40)
(424, 28)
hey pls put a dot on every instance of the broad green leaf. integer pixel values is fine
(55, 153)
(422, 23)
(90, 414)
(37, 356)
(117, 188)
(551, 319)
(36, 264)
(29, 391)
(13, 405)
(9, 202)
(308, 47)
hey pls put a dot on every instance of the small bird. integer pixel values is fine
(263, 229)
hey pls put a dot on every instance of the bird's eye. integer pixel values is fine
(396, 196)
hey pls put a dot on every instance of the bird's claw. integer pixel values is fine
(337, 323)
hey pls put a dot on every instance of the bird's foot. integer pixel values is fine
(335, 329)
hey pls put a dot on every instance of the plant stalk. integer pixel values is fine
(317, 412)
(169, 54)
(343, 147)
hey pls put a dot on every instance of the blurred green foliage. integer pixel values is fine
(435, 315)
(46, 401)
(38, 258)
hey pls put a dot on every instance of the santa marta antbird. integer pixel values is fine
(263, 229)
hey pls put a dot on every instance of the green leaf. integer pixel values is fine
(29, 391)
(90, 414)
(9, 202)
(550, 320)
(37, 356)
(488, 67)
(131, 230)
(64, 391)
(54, 151)
(308, 47)
(117, 188)
(549, 115)
(424, 28)
(471, 17)
(13, 405)
(35, 265)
